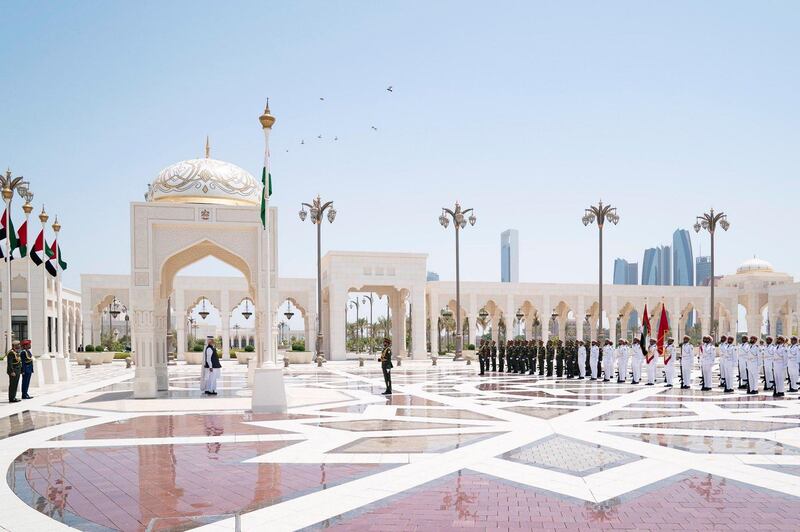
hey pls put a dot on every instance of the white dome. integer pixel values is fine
(754, 265)
(205, 181)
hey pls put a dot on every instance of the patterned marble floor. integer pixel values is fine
(449, 450)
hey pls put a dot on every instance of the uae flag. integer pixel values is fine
(266, 182)
(663, 327)
(37, 253)
(645, 332)
(13, 244)
(51, 254)
(22, 239)
(60, 259)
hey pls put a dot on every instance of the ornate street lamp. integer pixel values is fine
(709, 221)
(357, 305)
(317, 211)
(289, 312)
(459, 222)
(364, 300)
(600, 213)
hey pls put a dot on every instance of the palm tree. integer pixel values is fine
(383, 326)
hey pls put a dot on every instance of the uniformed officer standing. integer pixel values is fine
(608, 361)
(559, 358)
(594, 360)
(706, 362)
(581, 360)
(794, 364)
(687, 360)
(569, 360)
(493, 354)
(722, 352)
(509, 356)
(636, 362)
(768, 355)
(483, 356)
(752, 355)
(669, 362)
(551, 356)
(731, 363)
(623, 352)
(386, 365)
(14, 370)
(27, 368)
(650, 360)
(541, 355)
(501, 354)
(742, 352)
(779, 364)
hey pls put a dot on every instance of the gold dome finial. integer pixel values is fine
(208, 148)
(27, 207)
(56, 225)
(43, 216)
(266, 119)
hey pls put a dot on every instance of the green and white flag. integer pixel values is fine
(266, 181)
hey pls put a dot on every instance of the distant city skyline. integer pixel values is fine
(683, 262)
(509, 256)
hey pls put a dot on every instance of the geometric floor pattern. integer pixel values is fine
(450, 450)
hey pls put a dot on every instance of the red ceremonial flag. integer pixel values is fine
(37, 252)
(22, 239)
(663, 327)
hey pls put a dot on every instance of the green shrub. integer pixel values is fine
(470, 347)
(89, 349)
(249, 349)
(121, 356)
(197, 348)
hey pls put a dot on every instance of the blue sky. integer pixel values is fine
(526, 111)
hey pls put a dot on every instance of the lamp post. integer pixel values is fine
(364, 300)
(708, 221)
(600, 213)
(317, 210)
(459, 222)
(355, 303)
(9, 184)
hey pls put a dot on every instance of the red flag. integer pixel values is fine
(22, 239)
(37, 252)
(663, 327)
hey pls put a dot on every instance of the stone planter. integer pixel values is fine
(299, 357)
(96, 359)
(108, 357)
(469, 354)
(193, 358)
(244, 357)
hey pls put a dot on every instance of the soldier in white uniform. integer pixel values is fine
(794, 364)
(722, 348)
(651, 360)
(608, 361)
(731, 363)
(636, 363)
(779, 364)
(707, 355)
(622, 361)
(594, 356)
(581, 360)
(741, 354)
(669, 362)
(768, 355)
(752, 356)
(687, 361)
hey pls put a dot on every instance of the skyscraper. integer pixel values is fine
(682, 263)
(509, 256)
(703, 271)
(657, 266)
(626, 272)
(432, 276)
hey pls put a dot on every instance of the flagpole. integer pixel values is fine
(267, 351)
(45, 333)
(8, 193)
(27, 207)
(59, 313)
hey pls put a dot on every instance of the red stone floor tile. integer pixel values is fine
(179, 426)
(170, 483)
(468, 500)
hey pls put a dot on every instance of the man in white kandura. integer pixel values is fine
(687, 361)
(622, 361)
(669, 362)
(650, 360)
(608, 361)
(707, 355)
(594, 356)
(211, 362)
(581, 360)
(636, 363)
(794, 364)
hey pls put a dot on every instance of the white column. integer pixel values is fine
(160, 345)
(143, 327)
(336, 344)
(225, 318)
(180, 324)
(433, 316)
(310, 322)
(418, 323)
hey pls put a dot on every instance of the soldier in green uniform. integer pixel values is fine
(501, 355)
(493, 355)
(517, 350)
(483, 356)
(568, 360)
(14, 370)
(509, 355)
(386, 365)
(551, 354)
(541, 355)
(530, 356)
(559, 359)
(27, 368)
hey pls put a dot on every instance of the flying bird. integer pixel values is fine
(335, 138)
(321, 99)
(319, 136)
(302, 142)
(374, 128)
(389, 88)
